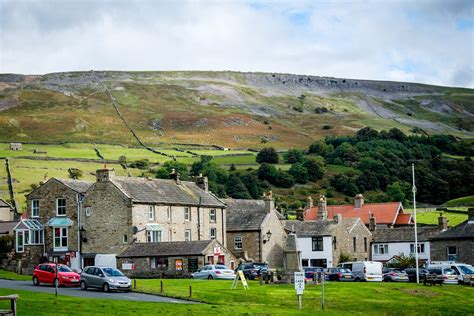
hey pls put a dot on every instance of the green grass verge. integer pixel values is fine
(4, 274)
(464, 201)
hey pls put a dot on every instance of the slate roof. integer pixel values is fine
(3, 203)
(171, 248)
(6, 227)
(244, 214)
(311, 228)
(143, 190)
(385, 213)
(404, 234)
(79, 186)
(465, 230)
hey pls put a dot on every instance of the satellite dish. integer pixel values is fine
(135, 229)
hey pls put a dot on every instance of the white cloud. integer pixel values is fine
(395, 40)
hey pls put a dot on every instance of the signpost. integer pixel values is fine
(299, 287)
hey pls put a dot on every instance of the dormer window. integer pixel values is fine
(61, 207)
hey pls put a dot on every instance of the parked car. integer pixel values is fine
(461, 269)
(394, 275)
(105, 278)
(448, 275)
(364, 270)
(309, 272)
(214, 271)
(46, 273)
(412, 274)
(253, 270)
(340, 274)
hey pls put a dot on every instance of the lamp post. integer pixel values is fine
(416, 232)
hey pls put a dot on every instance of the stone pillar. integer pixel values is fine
(359, 201)
(105, 174)
(309, 202)
(372, 223)
(269, 202)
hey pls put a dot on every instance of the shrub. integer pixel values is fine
(267, 155)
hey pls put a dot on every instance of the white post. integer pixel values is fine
(414, 216)
(322, 296)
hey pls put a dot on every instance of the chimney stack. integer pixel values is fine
(337, 218)
(300, 214)
(442, 222)
(359, 201)
(309, 202)
(175, 176)
(269, 201)
(103, 175)
(372, 223)
(202, 182)
(322, 208)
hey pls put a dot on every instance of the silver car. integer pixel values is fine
(105, 278)
(212, 271)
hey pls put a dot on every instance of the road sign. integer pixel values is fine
(299, 282)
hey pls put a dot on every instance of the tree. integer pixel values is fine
(122, 160)
(366, 133)
(267, 155)
(74, 173)
(315, 168)
(344, 184)
(283, 180)
(320, 148)
(235, 188)
(299, 173)
(267, 172)
(367, 181)
(398, 191)
(179, 167)
(293, 156)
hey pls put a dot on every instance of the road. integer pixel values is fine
(76, 292)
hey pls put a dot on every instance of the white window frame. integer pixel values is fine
(168, 213)
(421, 248)
(36, 237)
(153, 235)
(213, 215)
(187, 214)
(452, 256)
(35, 210)
(238, 241)
(63, 233)
(57, 207)
(187, 235)
(88, 211)
(19, 232)
(151, 212)
(213, 233)
(380, 249)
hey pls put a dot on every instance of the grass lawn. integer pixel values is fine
(431, 217)
(341, 299)
(4, 274)
(464, 201)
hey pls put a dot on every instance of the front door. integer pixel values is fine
(20, 241)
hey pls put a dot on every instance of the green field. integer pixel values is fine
(430, 216)
(464, 201)
(219, 298)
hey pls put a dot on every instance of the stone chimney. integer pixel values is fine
(300, 214)
(103, 175)
(470, 214)
(269, 201)
(175, 176)
(202, 182)
(442, 222)
(372, 223)
(337, 218)
(322, 208)
(359, 201)
(309, 202)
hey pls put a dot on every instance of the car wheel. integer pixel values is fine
(35, 281)
(210, 277)
(56, 283)
(83, 286)
(191, 277)
(105, 287)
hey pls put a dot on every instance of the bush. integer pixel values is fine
(299, 173)
(293, 156)
(267, 155)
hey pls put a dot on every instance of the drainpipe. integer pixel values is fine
(199, 218)
(80, 199)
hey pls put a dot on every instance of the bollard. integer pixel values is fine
(190, 291)
(134, 283)
(161, 286)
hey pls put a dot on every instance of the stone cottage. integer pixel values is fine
(51, 226)
(7, 213)
(119, 211)
(254, 230)
(322, 242)
(173, 258)
(455, 244)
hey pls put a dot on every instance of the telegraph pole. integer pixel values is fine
(416, 232)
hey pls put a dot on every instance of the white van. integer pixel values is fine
(461, 269)
(364, 270)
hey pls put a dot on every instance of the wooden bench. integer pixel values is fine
(12, 310)
(432, 279)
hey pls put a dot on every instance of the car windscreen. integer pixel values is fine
(346, 270)
(466, 269)
(111, 272)
(218, 267)
(64, 269)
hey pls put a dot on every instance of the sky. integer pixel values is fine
(428, 41)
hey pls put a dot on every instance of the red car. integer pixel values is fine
(46, 273)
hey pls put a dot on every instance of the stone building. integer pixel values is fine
(254, 231)
(50, 227)
(15, 146)
(322, 242)
(173, 258)
(7, 213)
(455, 244)
(387, 214)
(119, 211)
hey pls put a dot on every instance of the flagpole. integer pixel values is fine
(416, 232)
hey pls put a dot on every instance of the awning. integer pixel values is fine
(60, 222)
(153, 227)
(32, 224)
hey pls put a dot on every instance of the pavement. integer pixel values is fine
(90, 293)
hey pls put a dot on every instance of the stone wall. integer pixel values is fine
(465, 249)
(273, 250)
(251, 243)
(344, 243)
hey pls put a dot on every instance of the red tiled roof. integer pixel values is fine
(385, 213)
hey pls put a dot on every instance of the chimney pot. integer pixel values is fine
(322, 208)
(309, 202)
(359, 201)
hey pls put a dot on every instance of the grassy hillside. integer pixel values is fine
(464, 201)
(238, 110)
